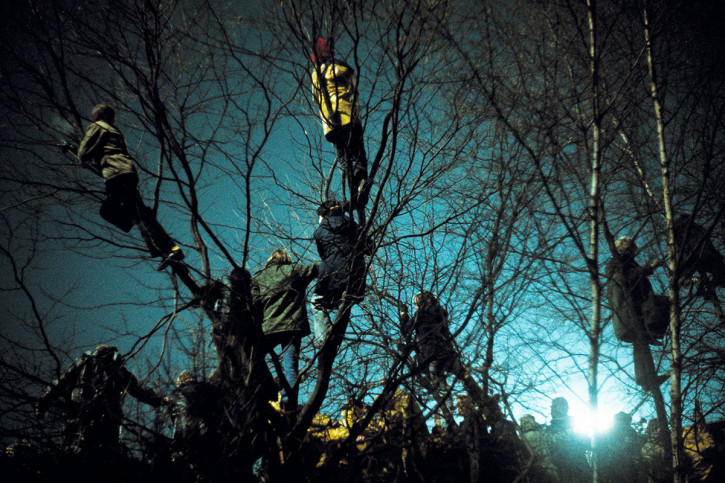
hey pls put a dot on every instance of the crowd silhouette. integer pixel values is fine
(259, 321)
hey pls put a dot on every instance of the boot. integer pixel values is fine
(174, 256)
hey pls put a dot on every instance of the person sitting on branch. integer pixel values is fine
(104, 151)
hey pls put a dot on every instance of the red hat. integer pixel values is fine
(322, 50)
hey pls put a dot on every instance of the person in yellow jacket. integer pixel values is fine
(104, 151)
(701, 450)
(334, 90)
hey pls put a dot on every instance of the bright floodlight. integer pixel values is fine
(590, 422)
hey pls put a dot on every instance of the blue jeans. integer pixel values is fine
(321, 318)
(289, 358)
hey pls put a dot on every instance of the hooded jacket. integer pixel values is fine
(278, 296)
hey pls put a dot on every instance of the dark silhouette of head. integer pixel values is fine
(329, 208)
(559, 408)
(103, 112)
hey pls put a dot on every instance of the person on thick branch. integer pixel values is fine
(104, 150)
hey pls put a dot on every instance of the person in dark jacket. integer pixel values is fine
(342, 267)
(242, 372)
(567, 449)
(92, 390)
(639, 316)
(434, 343)
(619, 451)
(278, 295)
(698, 254)
(104, 149)
(334, 90)
(197, 412)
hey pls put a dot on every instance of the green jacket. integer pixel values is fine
(104, 147)
(278, 295)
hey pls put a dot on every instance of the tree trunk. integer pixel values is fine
(594, 202)
(676, 364)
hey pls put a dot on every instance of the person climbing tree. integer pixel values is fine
(92, 391)
(342, 268)
(434, 343)
(278, 294)
(334, 89)
(242, 375)
(104, 151)
(639, 316)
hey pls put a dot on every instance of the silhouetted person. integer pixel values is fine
(620, 451)
(567, 449)
(92, 391)
(104, 149)
(639, 316)
(334, 89)
(242, 375)
(534, 434)
(698, 254)
(434, 343)
(279, 297)
(342, 265)
(198, 413)
(656, 466)
(403, 435)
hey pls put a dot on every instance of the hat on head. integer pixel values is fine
(321, 50)
(329, 208)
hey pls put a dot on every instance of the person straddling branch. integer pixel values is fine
(92, 390)
(434, 343)
(639, 316)
(278, 295)
(104, 150)
(342, 251)
(334, 90)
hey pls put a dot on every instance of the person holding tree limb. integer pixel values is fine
(639, 316)
(342, 251)
(104, 151)
(279, 304)
(90, 392)
(434, 343)
(698, 254)
(334, 90)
